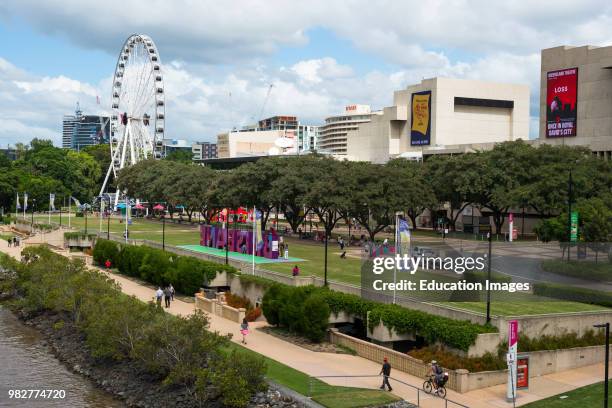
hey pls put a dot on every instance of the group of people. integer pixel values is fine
(167, 294)
(13, 241)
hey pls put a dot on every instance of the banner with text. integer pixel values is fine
(561, 102)
(420, 125)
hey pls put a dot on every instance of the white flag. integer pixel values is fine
(76, 202)
(18, 205)
(52, 202)
(25, 201)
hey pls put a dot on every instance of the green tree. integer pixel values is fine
(180, 156)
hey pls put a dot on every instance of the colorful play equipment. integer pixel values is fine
(240, 240)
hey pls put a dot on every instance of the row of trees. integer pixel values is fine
(41, 169)
(512, 175)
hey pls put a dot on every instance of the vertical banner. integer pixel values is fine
(510, 227)
(25, 203)
(561, 102)
(512, 355)
(574, 226)
(420, 124)
(258, 232)
(403, 237)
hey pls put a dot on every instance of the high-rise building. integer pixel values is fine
(204, 150)
(81, 130)
(575, 98)
(333, 134)
(307, 137)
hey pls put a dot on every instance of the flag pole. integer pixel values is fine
(49, 209)
(254, 227)
(396, 251)
(69, 200)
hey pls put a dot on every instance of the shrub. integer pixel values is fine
(558, 342)
(130, 259)
(315, 318)
(104, 250)
(451, 361)
(191, 274)
(575, 294)
(154, 266)
(271, 304)
(238, 301)
(253, 314)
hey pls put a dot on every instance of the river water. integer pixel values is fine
(28, 365)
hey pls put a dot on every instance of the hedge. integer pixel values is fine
(582, 295)
(282, 306)
(186, 273)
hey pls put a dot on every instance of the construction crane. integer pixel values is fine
(263, 106)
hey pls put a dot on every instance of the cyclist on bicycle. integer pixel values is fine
(436, 372)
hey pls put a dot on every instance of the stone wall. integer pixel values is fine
(219, 308)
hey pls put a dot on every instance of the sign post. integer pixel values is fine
(511, 359)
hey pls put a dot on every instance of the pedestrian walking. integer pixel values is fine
(158, 296)
(244, 330)
(172, 291)
(107, 264)
(295, 271)
(10, 242)
(386, 373)
(167, 296)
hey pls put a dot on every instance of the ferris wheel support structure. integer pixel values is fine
(138, 108)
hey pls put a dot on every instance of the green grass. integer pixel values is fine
(344, 270)
(525, 307)
(590, 396)
(6, 236)
(327, 395)
(600, 271)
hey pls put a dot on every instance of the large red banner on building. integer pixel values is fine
(561, 102)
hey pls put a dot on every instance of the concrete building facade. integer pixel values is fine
(250, 143)
(592, 98)
(333, 135)
(459, 115)
(204, 150)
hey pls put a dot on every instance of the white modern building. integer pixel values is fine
(253, 143)
(442, 115)
(334, 134)
(576, 97)
(307, 138)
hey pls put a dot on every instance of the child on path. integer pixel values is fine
(244, 330)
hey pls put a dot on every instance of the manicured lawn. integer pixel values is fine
(325, 394)
(344, 270)
(590, 396)
(526, 307)
(6, 236)
(600, 271)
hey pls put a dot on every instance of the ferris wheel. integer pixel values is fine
(138, 107)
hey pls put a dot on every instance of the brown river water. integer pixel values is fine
(26, 364)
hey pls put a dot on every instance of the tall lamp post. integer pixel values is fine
(85, 213)
(227, 237)
(164, 230)
(570, 185)
(607, 327)
(489, 279)
(108, 218)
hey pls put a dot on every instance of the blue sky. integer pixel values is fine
(320, 55)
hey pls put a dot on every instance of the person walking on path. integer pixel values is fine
(172, 291)
(295, 271)
(244, 330)
(158, 296)
(386, 373)
(167, 296)
(10, 241)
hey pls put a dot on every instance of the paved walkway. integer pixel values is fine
(328, 364)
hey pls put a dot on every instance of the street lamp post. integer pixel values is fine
(163, 230)
(108, 217)
(60, 212)
(607, 327)
(489, 279)
(227, 238)
(326, 239)
(570, 186)
(85, 213)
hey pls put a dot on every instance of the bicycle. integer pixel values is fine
(430, 387)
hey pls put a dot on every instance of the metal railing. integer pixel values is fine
(421, 395)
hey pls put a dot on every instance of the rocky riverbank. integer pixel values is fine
(126, 380)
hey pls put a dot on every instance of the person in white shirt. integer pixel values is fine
(159, 294)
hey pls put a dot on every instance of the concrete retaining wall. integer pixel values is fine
(218, 308)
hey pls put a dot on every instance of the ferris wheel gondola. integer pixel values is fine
(138, 107)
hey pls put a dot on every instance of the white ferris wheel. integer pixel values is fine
(138, 107)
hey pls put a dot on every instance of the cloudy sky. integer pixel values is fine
(319, 55)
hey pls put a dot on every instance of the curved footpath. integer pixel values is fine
(329, 364)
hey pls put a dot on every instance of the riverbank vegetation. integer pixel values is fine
(174, 351)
